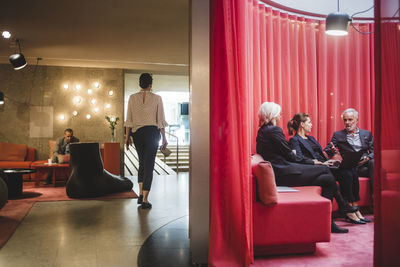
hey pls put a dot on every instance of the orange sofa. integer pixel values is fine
(16, 156)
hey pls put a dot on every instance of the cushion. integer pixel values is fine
(12, 152)
(52, 146)
(266, 187)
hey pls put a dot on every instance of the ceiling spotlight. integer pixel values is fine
(337, 24)
(1, 98)
(88, 116)
(77, 99)
(62, 117)
(93, 101)
(89, 91)
(78, 87)
(6, 34)
(96, 84)
(75, 113)
(108, 106)
(111, 92)
(96, 109)
(17, 60)
(66, 86)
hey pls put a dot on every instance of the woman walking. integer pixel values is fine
(145, 119)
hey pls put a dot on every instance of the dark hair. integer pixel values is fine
(294, 123)
(145, 80)
(69, 130)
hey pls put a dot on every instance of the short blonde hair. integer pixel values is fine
(268, 112)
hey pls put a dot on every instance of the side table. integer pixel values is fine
(38, 166)
(13, 179)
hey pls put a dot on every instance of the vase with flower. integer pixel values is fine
(113, 121)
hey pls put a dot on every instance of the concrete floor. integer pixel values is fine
(94, 232)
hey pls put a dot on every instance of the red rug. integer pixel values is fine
(15, 210)
(352, 249)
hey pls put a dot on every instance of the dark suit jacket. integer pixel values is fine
(339, 139)
(303, 148)
(273, 146)
(61, 145)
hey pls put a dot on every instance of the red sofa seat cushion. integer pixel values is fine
(12, 152)
(390, 161)
(15, 164)
(265, 177)
(299, 217)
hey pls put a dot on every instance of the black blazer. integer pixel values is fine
(339, 139)
(303, 148)
(273, 146)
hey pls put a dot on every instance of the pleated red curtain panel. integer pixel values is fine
(230, 140)
(257, 55)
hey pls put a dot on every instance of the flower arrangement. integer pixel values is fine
(113, 122)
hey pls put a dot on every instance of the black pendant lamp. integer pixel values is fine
(337, 23)
(18, 60)
(1, 98)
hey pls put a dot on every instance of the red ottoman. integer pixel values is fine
(294, 225)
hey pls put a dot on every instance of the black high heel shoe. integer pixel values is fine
(365, 220)
(350, 220)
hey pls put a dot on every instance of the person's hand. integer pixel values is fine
(128, 141)
(164, 143)
(317, 162)
(362, 162)
(332, 162)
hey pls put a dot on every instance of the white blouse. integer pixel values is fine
(149, 112)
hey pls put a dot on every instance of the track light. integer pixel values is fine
(1, 98)
(337, 24)
(18, 60)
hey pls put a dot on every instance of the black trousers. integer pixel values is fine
(367, 170)
(349, 184)
(146, 140)
(312, 175)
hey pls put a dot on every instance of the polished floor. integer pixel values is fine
(93, 232)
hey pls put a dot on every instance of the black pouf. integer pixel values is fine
(3, 190)
(88, 176)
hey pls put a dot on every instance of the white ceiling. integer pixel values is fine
(133, 34)
(143, 35)
(327, 6)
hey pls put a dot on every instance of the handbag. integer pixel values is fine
(166, 152)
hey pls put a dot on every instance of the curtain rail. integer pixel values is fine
(301, 12)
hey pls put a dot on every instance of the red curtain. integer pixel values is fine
(230, 210)
(345, 79)
(257, 55)
(390, 69)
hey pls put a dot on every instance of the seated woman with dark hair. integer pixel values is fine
(307, 148)
(288, 168)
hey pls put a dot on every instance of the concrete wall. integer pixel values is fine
(42, 86)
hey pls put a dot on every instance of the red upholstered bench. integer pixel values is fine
(16, 156)
(294, 225)
(390, 163)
